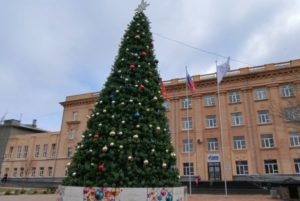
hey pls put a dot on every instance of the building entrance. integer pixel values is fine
(214, 171)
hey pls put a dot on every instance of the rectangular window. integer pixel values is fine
(75, 116)
(33, 170)
(264, 117)
(19, 151)
(186, 103)
(187, 123)
(239, 142)
(271, 167)
(50, 171)
(45, 150)
(21, 172)
(209, 101)
(11, 151)
(297, 165)
(53, 150)
(188, 169)
(211, 121)
(267, 141)
(212, 144)
(291, 114)
(287, 90)
(261, 94)
(234, 97)
(294, 139)
(41, 171)
(72, 133)
(187, 146)
(25, 151)
(241, 167)
(37, 151)
(237, 119)
(70, 152)
(15, 172)
(166, 105)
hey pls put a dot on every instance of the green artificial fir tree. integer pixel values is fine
(127, 141)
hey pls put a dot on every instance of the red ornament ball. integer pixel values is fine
(132, 67)
(101, 168)
(143, 54)
(141, 87)
(96, 136)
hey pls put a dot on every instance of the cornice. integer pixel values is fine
(85, 101)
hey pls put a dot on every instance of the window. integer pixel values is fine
(241, 167)
(25, 151)
(187, 146)
(186, 103)
(11, 150)
(53, 150)
(75, 116)
(72, 133)
(261, 94)
(237, 119)
(295, 139)
(188, 169)
(264, 117)
(234, 97)
(166, 105)
(19, 151)
(50, 171)
(287, 91)
(41, 171)
(187, 123)
(239, 142)
(271, 167)
(211, 121)
(33, 170)
(267, 141)
(21, 172)
(66, 171)
(37, 150)
(70, 152)
(15, 172)
(212, 144)
(297, 165)
(45, 150)
(291, 114)
(209, 101)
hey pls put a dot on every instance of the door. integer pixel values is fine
(214, 171)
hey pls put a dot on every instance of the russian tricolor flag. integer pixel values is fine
(190, 83)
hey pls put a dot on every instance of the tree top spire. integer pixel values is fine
(142, 6)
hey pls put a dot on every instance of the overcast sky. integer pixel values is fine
(50, 49)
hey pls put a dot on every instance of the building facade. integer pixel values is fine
(235, 133)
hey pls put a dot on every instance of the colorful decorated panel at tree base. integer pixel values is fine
(69, 193)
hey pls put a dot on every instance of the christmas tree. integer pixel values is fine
(127, 140)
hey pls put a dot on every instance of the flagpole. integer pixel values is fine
(221, 128)
(188, 133)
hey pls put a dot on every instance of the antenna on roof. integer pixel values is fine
(2, 118)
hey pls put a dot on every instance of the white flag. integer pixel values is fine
(222, 69)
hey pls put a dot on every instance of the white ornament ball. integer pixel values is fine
(90, 150)
(100, 124)
(164, 165)
(130, 158)
(90, 134)
(138, 126)
(100, 101)
(131, 100)
(154, 98)
(92, 164)
(119, 71)
(167, 150)
(123, 122)
(152, 150)
(136, 85)
(112, 133)
(82, 146)
(117, 91)
(150, 125)
(74, 173)
(104, 110)
(112, 144)
(82, 136)
(146, 162)
(122, 103)
(135, 136)
(97, 113)
(157, 128)
(165, 129)
(120, 133)
(121, 146)
(173, 154)
(112, 116)
(147, 109)
(104, 149)
(140, 103)
(113, 102)
(69, 163)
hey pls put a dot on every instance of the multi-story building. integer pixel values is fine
(235, 133)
